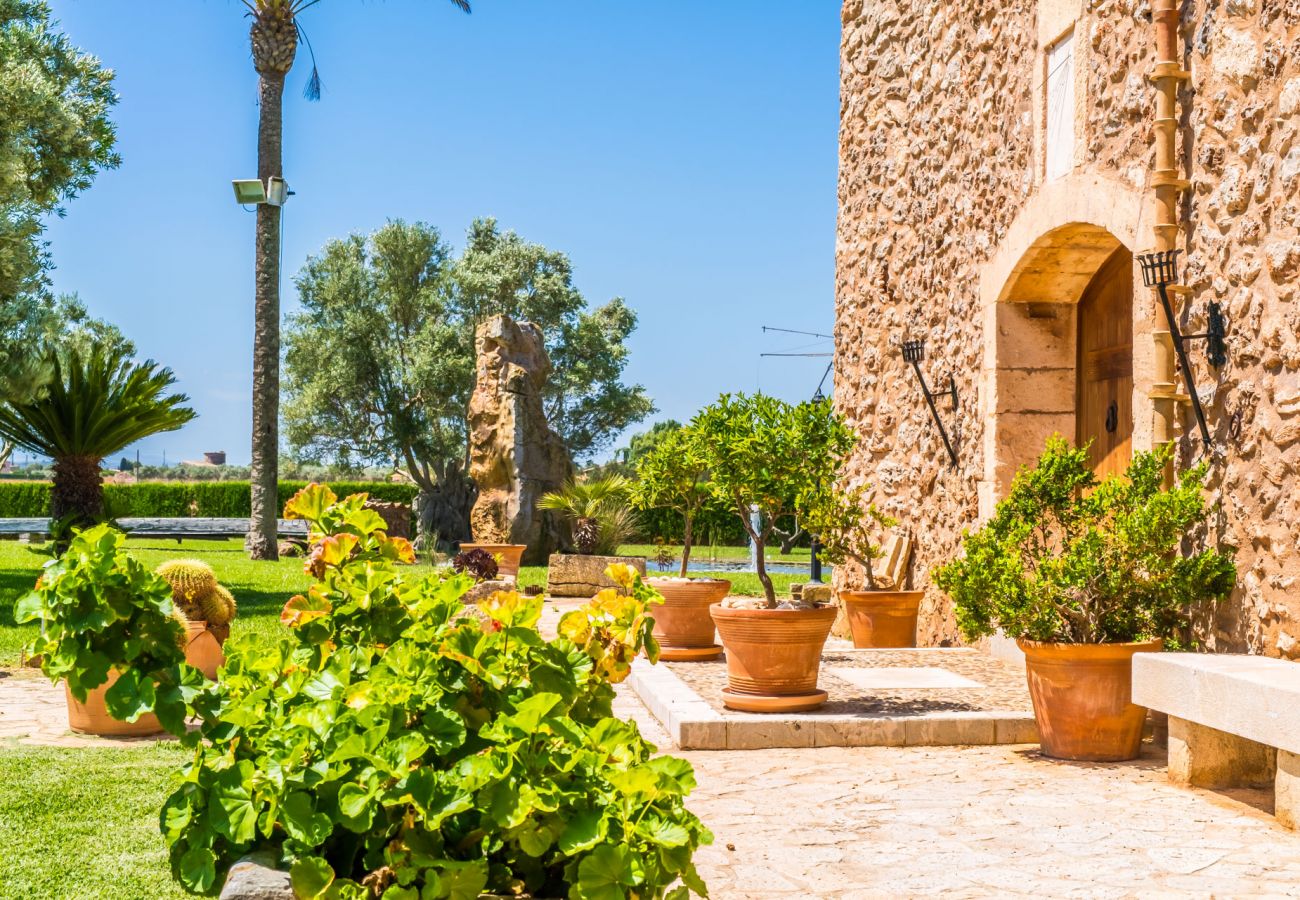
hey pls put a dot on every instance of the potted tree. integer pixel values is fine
(109, 629)
(844, 521)
(764, 457)
(600, 520)
(1084, 574)
(673, 475)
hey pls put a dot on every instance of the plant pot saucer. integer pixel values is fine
(690, 654)
(769, 703)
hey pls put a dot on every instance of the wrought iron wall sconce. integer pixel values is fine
(1159, 270)
(914, 352)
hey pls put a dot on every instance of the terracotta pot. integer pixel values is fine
(773, 657)
(882, 618)
(1082, 695)
(92, 716)
(203, 649)
(508, 555)
(683, 625)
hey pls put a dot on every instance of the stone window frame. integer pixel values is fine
(1058, 19)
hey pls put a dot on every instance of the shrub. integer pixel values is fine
(673, 475)
(100, 610)
(598, 513)
(766, 453)
(477, 562)
(845, 522)
(394, 744)
(1067, 558)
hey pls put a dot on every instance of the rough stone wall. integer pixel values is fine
(938, 154)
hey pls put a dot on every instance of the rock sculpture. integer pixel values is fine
(515, 456)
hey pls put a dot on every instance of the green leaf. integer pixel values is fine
(28, 608)
(301, 820)
(604, 873)
(310, 876)
(130, 697)
(198, 869)
(662, 832)
(584, 830)
(235, 815)
(353, 800)
(464, 881)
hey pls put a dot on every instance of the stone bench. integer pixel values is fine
(1234, 721)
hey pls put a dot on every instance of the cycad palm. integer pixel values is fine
(95, 405)
(598, 511)
(273, 36)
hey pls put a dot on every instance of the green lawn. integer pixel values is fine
(83, 823)
(261, 588)
(703, 551)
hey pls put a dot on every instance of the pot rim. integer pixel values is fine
(1067, 648)
(678, 579)
(821, 609)
(482, 544)
(853, 593)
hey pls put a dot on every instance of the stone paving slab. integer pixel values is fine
(893, 698)
(33, 711)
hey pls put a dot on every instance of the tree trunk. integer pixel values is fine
(262, 533)
(686, 542)
(78, 490)
(442, 511)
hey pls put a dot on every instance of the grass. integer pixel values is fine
(83, 823)
(261, 588)
(704, 551)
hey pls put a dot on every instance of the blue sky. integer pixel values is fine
(682, 153)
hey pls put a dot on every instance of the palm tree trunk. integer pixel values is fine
(261, 542)
(77, 490)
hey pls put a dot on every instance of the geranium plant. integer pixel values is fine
(102, 611)
(398, 744)
(673, 475)
(767, 455)
(1071, 559)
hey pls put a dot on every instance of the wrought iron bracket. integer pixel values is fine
(1159, 270)
(914, 352)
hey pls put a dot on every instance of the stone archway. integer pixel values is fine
(1030, 292)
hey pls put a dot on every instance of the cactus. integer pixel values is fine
(184, 639)
(218, 606)
(190, 579)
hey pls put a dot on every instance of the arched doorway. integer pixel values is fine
(1104, 366)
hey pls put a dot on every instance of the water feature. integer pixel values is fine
(698, 564)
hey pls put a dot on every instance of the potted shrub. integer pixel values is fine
(844, 521)
(508, 556)
(208, 608)
(764, 457)
(600, 520)
(109, 629)
(673, 476)
(1084, 574)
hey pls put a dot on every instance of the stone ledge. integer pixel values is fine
(694, 725)
(1253, 697)
(255, 878)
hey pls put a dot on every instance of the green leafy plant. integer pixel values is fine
(398, 744)
(846, 522)
(766, 454)
(1071, 559)
(673, 474)
(597, 511)
(101, 611)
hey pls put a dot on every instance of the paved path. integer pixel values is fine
(906, 822)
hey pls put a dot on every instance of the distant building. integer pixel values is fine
(215, 457)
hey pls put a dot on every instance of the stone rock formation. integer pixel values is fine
(574, 575)
(514, 455)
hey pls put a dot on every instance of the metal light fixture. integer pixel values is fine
(252, 192)
(914, 352)
(1159, 270)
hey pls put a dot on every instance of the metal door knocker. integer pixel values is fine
(1112, 417)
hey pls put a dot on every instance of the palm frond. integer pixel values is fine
(95, 406)
(312, 90)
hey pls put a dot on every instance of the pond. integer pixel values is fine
(734, 565)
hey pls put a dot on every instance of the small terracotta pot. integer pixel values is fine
(203, 649)
(1082, 695)
(683, 625)
(882, 618)
(508, 555)
(773, 657)
(92, 716)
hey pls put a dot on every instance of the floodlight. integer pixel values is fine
(249, 191)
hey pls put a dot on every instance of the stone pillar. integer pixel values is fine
(1286, 789)
(1206, 757)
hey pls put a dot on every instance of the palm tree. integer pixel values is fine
(95, 406)
(274, 38)
(597, 511)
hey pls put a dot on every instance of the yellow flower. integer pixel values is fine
(622, 574)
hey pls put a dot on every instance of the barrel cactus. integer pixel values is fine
(218, 606)
(196, 592)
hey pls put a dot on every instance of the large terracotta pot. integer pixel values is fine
(92, 716)
(773, 657)
(683, 625)
(1082, 695)
(882, 618)
(508, 555)
(203, 649)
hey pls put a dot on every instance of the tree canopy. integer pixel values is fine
(54, 103)
(380, 361)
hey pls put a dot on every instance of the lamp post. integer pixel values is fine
(815, 562)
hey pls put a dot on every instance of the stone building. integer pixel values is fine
(1002, 164)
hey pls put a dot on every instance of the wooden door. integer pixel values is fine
(1104, 407)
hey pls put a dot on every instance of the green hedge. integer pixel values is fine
(177, 499)
(723, 527)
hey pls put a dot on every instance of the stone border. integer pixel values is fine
(693, 724)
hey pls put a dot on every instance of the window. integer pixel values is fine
(1060, 107)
